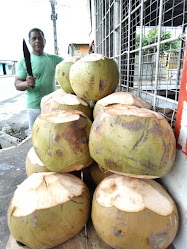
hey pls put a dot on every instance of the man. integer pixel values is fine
(43, 81)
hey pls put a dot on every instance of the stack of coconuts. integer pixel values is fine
(123, 144)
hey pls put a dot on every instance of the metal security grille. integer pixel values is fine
(146, 38)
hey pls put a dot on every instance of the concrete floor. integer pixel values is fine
(12, 160)
(12, 104)
(12, 173)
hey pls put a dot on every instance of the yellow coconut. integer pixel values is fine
(47, 209)
(125, 98)
(133, 141)
(93, 77)
(62, 73)
(134, 213)
(33, 164)
(60, 140)
(59, 100)
(97, 173)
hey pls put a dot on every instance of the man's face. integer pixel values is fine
(37, 42)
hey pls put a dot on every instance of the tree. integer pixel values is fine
(152, 37)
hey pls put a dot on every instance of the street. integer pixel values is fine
(7, 88)
(12, 161)
(12, 103)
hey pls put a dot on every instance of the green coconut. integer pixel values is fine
(47, 209)
(60, 100)
(60, 140)
(133, 141)
(94, 77)
(125, 98)
(97, 173)
(134, 213)
(62, 73)
(33, 164)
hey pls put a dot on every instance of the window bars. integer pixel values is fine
(146, 38)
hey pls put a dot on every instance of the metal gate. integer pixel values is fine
(146, 38)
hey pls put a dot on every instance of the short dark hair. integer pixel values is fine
(36, 30)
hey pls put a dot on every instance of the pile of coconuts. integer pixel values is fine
(120, 141)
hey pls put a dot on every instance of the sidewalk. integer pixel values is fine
(12, 173)
(12, 160)
(12, 104)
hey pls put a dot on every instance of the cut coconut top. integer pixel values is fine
(93, 57)
(62, 116)
(45, 190)
(34, 159)
(68, 99)
(123, 98)
(72, 59)
(49, 96)
(134, 195)
(62, 97)
(127, 110)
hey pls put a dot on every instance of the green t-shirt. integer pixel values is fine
(43, 68)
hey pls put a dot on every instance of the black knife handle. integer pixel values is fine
(32, 76)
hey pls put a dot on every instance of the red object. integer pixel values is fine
(181, 102)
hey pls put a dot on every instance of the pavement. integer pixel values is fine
(12, 173)
(12, 159)
(12, 104)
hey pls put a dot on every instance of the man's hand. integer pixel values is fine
(31, 81)
(23, 85)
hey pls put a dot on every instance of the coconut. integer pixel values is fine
(94, 77)
(33, 164)
(62, 73)
(134, 213)
(60, 100)
(97, 173)
(47, 209)
(60, 140)
(125, 98)
(133, 141)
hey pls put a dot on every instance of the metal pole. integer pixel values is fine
(128, 55)
(54, 18)
(120, 8)
(102, 30)
(158, 54)
(96, 26)
(117, 41)
(109, 33)
(180, 52)
(105, 29)
(140, 47)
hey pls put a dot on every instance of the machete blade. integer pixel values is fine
(27, 57)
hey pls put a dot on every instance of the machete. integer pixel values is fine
(27, 57)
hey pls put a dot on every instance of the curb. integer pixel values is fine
(16, 146)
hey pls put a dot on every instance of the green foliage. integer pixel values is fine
(152, 37)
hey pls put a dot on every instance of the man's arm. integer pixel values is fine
(22, 84)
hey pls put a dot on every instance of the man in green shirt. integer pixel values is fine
(43, 81)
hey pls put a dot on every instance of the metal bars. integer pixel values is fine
(146, 39)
